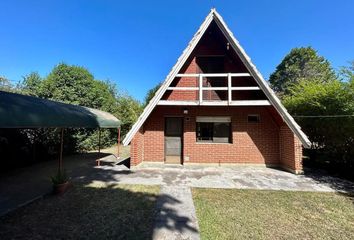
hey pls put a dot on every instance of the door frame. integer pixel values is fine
(182, 136)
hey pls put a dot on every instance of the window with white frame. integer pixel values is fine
(213, 129)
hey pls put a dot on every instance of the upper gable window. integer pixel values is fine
(253, 118)
(211, 64)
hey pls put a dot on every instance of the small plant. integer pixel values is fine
(60, 178)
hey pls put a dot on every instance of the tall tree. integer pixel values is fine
(151, 93)
(128, 112)
(31, 84)
(76, 85)
(346, 73)
(70, 84)
(5, 84)
(328, 111)
(300, 63)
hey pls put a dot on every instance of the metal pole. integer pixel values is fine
(98, 163)
(118, 144)
(99, 141)
(61, 150)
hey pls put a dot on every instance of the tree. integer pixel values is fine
(129, 110)
(5, 84)
(151, 93)
(322, 103)
(76, 85)
(346, 73)
(300, 63)
(70, 84)
(331, 136)
(31, 84)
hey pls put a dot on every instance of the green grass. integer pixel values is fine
(93, 211)
(254, 214)
(124, 151)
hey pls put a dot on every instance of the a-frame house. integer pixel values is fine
(214, 107)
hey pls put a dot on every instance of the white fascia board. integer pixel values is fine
(245, 88)
(178, 103)
(213, 103)
(174, 71)
(183, 88)
(213, 74)
(213, 119)
(262, 83)
(250, 103)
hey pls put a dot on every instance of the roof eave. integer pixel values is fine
(213, 15)
(176, 68)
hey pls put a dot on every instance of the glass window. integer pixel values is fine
(253, 118)
(221, 132)
(205, 131)
(217, 132)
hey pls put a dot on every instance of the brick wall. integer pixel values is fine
(290, 150)
(137, 148)
(258, 143)
(209, 45)
(252, 143)
(191, 67)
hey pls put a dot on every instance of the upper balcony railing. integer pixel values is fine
(228, 87)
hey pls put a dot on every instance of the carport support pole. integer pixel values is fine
(118, 144)
(99, 148)
(61, 150)
(99, 142)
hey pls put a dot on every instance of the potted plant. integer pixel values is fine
(60, 182)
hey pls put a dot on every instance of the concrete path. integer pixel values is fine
(24, 185)
(175, 219)
(241, 177)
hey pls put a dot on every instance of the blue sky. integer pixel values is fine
(135, 43)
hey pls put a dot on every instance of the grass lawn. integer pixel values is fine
(93, 211)
(124, 151)
(255, 214)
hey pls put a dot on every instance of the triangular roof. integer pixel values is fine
(273, 99)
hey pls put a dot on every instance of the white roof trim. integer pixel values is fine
(213, 119)
(262, 83)
(174, 71)
(213, 15)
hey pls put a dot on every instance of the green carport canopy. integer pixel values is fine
(20, 111)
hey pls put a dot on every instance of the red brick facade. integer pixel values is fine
(137, 148)
(264, 143)
(268, 142)
(290, 150)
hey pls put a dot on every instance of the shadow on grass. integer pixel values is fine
(85, 212)
(91, 211)
(165, 215)
(322, 177)
(168, 219)
(97, 207)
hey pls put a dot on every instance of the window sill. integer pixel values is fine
(213, 143)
